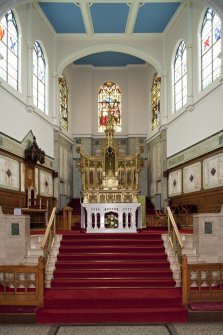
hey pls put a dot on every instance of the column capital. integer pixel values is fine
(189, 45)
(29, 45)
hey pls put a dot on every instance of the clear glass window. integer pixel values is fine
(180, 77)
(39, 77)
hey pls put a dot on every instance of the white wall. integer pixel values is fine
(187, 127)
(16, 121)
(184, 128)
(86, 81)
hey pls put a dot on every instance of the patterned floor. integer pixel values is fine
(195, 328)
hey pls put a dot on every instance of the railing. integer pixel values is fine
(49, 237)
(201, 282)
(174, 236)
(184, 221)
(22, 284)
(157, 219)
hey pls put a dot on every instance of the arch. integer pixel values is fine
(5, 5)
(109, 98)
(10, 48)
(180, 76)
(41, 84)
(210, 65)
(178, 42)
(109, 47)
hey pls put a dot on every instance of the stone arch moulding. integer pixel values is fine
(109, 47)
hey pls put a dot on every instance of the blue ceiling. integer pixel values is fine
(109, 17)
(109, 58)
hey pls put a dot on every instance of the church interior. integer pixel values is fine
(111, 162)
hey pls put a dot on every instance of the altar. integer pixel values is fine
(111, 218)
(110, 187)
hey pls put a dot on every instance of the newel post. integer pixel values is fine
(40, 284)
(67, 217)
(184, 280)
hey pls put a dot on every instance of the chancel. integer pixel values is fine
(115, 216)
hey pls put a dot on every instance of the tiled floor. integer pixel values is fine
(195, 328)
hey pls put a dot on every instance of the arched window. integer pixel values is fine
(210, 48)
(63, 103)
(109, 97)
(155, 101)
(9, 57)
(180, 77)
(39, 77)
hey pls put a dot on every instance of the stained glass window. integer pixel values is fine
(9, 49)
(210, 48)
(39, 77)
(180, 77)
(155, 101)
(63, 103)
(109, 97)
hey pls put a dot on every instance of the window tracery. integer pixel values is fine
(210, 48)
(109, 97)
(155, 101)
(9, 39)
(63, 103)
(39, 77)
(180, 77)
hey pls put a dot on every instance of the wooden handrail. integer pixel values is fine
(49, 237)
(173, 222)
(22, 285)
(174, 236)
(201, 282)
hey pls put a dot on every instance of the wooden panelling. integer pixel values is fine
(11, 199)
(207, 201)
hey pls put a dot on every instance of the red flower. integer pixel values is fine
(2, 33)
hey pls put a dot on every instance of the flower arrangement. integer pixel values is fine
(111, 221)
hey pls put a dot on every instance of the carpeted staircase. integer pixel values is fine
(112, 278)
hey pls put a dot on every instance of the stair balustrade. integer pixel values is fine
(22, 285)
(201, 282)
(49, 237)
(174, 236)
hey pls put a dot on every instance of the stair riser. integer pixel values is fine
(91, 242)
(111, 265)
(116, 236)
(114, 274)
(111, 257)
(110, 283)
(71, 318)
(111, 249)
(141, 303)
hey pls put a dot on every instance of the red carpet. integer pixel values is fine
(112, 278)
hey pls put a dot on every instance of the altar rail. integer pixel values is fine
(201, 282)
(22, 285)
